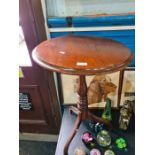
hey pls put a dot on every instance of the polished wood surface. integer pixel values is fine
(82, 55)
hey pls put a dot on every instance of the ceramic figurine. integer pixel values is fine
(79, 151)
(125, 114)
(95, 152)
(99, 88)
(107, 111)
(103, 138)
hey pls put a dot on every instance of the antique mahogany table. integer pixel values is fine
(82, 55)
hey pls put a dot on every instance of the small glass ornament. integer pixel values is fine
(103, 138)
(107, 111)
(121, 143)
(96, 127)
(95, 152)
(79, 151)
(99, 127)
(109, 152)
(88, 140)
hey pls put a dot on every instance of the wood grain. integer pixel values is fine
(82, 55)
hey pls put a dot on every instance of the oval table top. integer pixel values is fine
(82, 55)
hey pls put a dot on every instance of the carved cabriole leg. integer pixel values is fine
(81, 110)
(73, 132)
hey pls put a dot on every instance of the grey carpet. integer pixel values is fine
(36, 148)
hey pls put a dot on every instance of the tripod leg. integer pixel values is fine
(100, 120)
(73, 132)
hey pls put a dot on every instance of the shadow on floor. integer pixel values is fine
(36, 148)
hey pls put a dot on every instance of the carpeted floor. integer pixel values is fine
(36, 148)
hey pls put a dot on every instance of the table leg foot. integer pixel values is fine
(73, 132)
(74, 110)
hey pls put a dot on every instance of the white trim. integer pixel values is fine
(102, 28)
(43, 4)
(38, 137)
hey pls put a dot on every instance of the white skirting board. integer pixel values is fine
(38, 137)
(101, 28)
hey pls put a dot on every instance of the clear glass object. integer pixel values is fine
(103, 138)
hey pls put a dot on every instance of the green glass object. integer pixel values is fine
(107, 111)
(103, 138)
(109, 152)
(121, 143)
